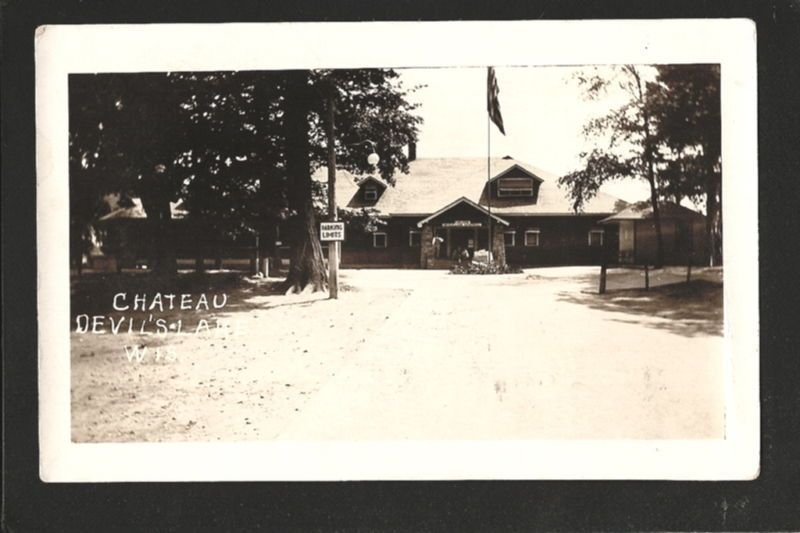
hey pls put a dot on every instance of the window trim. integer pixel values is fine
(533, 231)
(506, 194)
(385, 239)
(370, 192)
(411, 233)
(513, 234)
(602, 233)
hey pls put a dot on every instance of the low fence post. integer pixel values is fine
(603, 272)
(646, 277)
(689, 268)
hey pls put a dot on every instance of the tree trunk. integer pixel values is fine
(159, 221)
(650, 169)
(76, 247)
(307, 266)
(713, 220)
(657, 222)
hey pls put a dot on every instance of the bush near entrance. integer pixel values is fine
(484, 268)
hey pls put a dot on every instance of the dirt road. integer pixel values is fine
(423, 355)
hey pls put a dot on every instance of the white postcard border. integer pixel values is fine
(61, 50)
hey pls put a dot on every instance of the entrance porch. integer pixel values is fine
(462, 226)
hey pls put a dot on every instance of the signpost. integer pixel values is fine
(333, 248)
(333, 234)
(331, 231)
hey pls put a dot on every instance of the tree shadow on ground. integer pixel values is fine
(688, 309)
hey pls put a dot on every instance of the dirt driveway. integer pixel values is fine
(408, 354)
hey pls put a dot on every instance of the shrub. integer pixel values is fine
(484, 268)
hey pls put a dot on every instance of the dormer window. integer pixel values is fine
(514, 187)
(370, 190)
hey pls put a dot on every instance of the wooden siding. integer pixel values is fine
(679, 243)
(358, 251)
(563, 240)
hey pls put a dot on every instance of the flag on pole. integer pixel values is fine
(492, 103)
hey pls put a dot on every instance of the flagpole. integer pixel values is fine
(488, 182)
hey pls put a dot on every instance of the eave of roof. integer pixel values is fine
(457, 202)
(667, 211)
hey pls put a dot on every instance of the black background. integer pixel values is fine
(769, 503)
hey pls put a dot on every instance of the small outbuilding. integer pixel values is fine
(683, 232)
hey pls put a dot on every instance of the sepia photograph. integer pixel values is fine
(394, 254)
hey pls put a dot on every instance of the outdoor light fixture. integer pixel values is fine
(373, 159)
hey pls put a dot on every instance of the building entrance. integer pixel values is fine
(458, 239)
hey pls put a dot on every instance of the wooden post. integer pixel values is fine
(258, 254)
(689, 268)
(333, 247)
(603, 272)
(646, 277)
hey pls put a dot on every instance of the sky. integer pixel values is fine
(543, 113)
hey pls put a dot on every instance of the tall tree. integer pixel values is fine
(371, 110)
(85, 175)
(235, 188)
(237, 147)
(625, 139)
(141, 136)
(209, 139)
(307, 266)
(687, 113)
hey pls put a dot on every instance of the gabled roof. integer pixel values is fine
(516, 166)
(644, 211)
(372, 179)
(461, 200)
(434, 182)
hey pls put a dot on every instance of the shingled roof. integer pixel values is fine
(644, 211)
(433, 183)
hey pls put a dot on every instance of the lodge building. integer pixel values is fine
(443, 207)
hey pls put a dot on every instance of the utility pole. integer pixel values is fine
(333, 247)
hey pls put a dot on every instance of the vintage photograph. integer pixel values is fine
(486, 252)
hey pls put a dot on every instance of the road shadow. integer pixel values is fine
(688, 309)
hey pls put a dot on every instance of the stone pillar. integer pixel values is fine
(499, 244)
(426, 246)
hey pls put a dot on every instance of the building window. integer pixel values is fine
(596, 237)
(379, 240)
(414, 238)
(514, 187)
(509, 238)
(532, 237)
(370, 192)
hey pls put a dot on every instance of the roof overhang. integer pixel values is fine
(373, 180)
(462, 200)
(520, 168)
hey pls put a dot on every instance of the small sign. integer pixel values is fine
(462, 224)
(331, 231)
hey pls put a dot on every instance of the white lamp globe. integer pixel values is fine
(373, 159)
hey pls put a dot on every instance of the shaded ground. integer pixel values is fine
(672, 304)
(421, 355)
